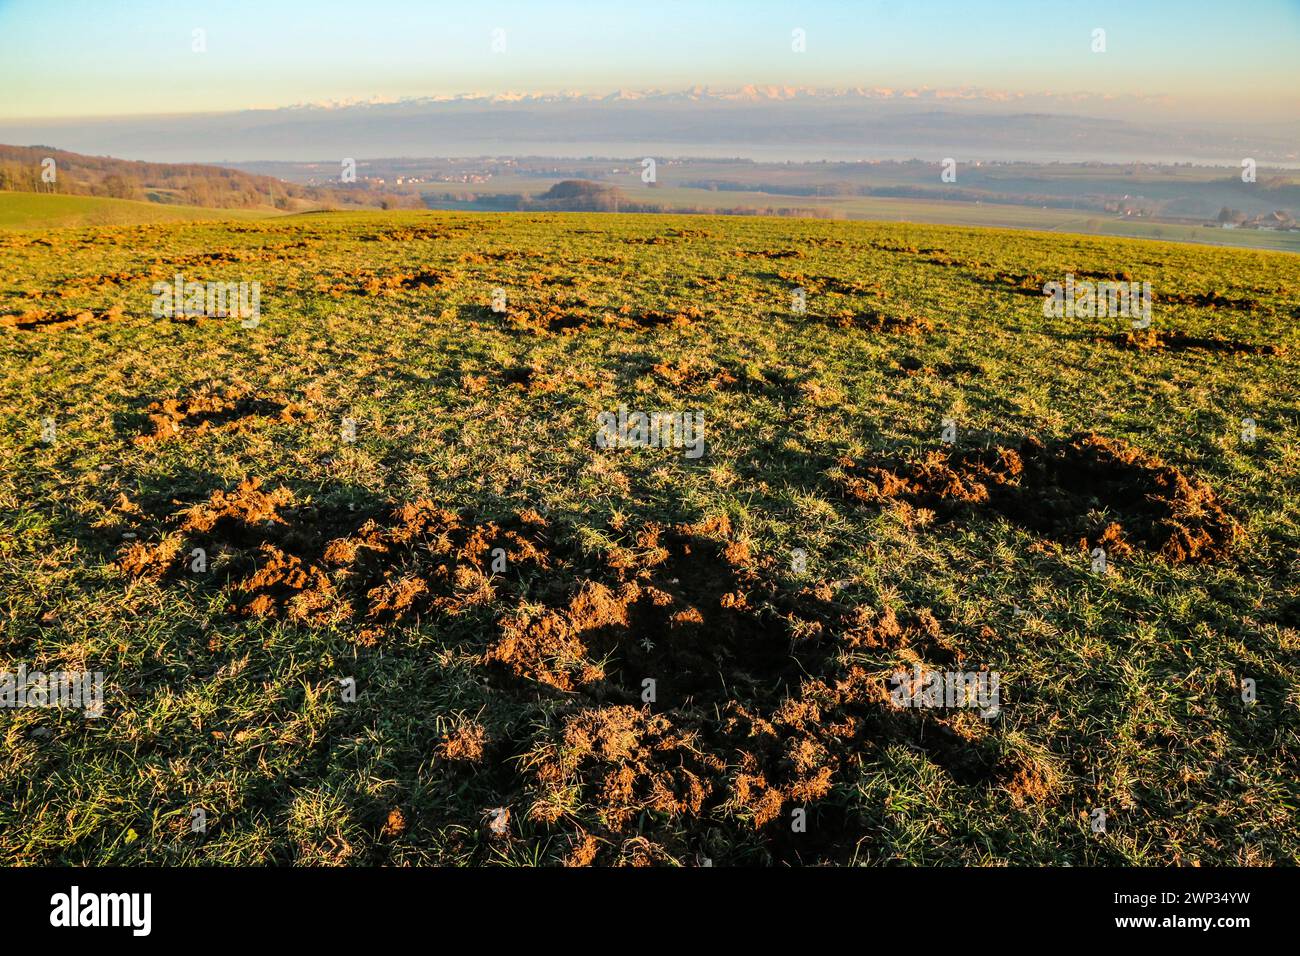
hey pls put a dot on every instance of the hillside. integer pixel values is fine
(51, 210)
(192, 184)
(376, 579)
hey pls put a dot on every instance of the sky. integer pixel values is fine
(65, 58)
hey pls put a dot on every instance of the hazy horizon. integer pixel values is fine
(1176, 61)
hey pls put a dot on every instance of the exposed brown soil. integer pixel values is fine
(769, 254)
(45, 320)
(693, 376)
(78, 285)
(416, 234)
(466, 744)
(758, 705)
(1208, 300)
(483, 258)
(575, 314)
(910, 365)
(628, 318)
(245, 508)
(817, 284)
(681, 609)
(1014, 282)
(1093, 490)
(318, 567)
(1145, 340)
(371, 283)
(541, 280)
(550, 318)
(228, 411)
(891, 319)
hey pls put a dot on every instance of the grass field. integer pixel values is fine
(430, 601)
(676, 192)
(26, 211)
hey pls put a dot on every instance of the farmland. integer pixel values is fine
(35, 211)
(429, 601)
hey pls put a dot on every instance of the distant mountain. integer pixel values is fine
(757, 122)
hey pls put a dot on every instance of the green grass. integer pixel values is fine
(1120, 691)
(28, 211)
(671, 195)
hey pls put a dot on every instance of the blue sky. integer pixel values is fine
(81, 58)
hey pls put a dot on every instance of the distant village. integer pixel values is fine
(1278, 220)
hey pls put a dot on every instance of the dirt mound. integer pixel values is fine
(247, 506)
(414, 234)
(683, 609)
(1208, 300)
(627, 762)
(575, 314)
(892, 319)
(549, 319)
(760, 703)
(1016, 283)
(817, 284)
(541, 280)
(1090, 489)
(910, 365)
(228, 411)
(628, 318)
(326, 566)
(483, 258)
(1149, 339)
(368, 282)
(693, 376)
(45, 320)
(769, 254)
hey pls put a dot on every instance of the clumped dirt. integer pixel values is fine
(760, 701)
(151, 560)
(769, 253)
(368, 282)
(540, 280)
(575, 314)
(324, 566)
(817, 284)
(415, 234)
(79, 285)
(47, 320)
(467, 743)
(1097, 491)
(682, 607)
(883, 319)
(684, 233)
(1146, 340)
(550, 319)
(910, 365)
(245, 507)
(628, 318)
(483, 258)
(940, 257)
(1208, 300)
(1016, 283)
(693, 375)
(229, 411)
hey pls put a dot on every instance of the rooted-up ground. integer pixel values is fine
(564, 653)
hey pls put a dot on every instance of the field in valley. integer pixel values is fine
(429, 602)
